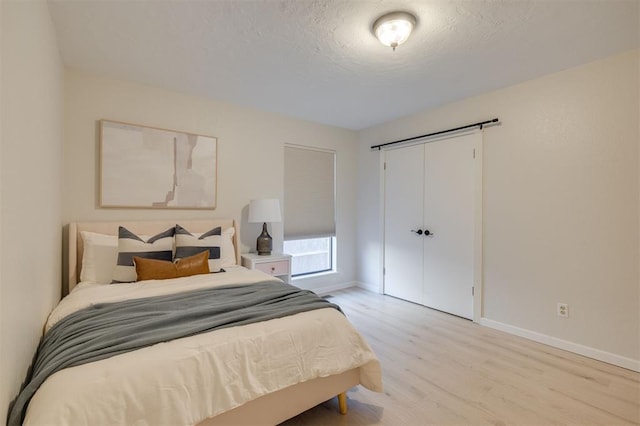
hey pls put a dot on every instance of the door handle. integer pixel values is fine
(428, 233)
(419, 231)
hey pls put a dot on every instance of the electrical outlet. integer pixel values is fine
(563, 310)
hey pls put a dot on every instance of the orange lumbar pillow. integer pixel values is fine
(152, 269)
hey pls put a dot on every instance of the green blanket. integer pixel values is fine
(107, 329)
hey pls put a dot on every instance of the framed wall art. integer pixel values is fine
(146, 167)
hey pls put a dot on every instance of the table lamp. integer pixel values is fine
(264, 210)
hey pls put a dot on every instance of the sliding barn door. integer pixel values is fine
(449, 218)
(429, 223)
(404, 189)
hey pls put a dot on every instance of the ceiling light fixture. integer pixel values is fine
(394, 28)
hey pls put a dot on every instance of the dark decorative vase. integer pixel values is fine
(264, 243)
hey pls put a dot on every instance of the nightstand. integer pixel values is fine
(276, 264)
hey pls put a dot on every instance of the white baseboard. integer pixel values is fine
(600, 355)
(322, 290)
(367, 286)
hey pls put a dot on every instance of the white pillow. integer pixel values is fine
(227, 250)
(228, 254)
(159, 247)
(99, 257)
(219, 244)
(188, 245)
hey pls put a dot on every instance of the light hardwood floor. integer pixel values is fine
(441, 369)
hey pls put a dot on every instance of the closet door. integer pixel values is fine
(449, 218)
(430, 223)
(403, 255)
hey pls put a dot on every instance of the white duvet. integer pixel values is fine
(185, 381)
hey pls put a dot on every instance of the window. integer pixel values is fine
(309, 209)
(310, 255)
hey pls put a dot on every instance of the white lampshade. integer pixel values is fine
(393, 29)
(264, 210)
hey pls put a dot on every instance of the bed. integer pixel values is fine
(260, 373)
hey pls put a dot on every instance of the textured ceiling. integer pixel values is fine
(317, 59)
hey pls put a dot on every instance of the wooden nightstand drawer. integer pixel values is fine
(274, 268)
(277, 264)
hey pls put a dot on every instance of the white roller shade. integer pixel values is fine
(309, 193)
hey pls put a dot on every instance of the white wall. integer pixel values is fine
(5, 390)
(30, 186)
(560, 200)
(250, 157)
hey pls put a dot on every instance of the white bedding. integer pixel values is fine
(188, 380)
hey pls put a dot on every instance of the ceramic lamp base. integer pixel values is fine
(264, 244)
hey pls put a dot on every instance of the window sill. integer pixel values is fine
(316, 275)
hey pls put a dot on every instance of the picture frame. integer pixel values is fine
(151, 168)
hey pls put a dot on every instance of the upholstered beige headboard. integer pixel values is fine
(141, 228)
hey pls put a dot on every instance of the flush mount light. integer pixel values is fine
(394, 28)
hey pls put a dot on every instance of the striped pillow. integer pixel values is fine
(158, 247)
(188, 244)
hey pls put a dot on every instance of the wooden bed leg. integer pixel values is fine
(342, 402)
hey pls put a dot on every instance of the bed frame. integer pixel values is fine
(269, 409)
